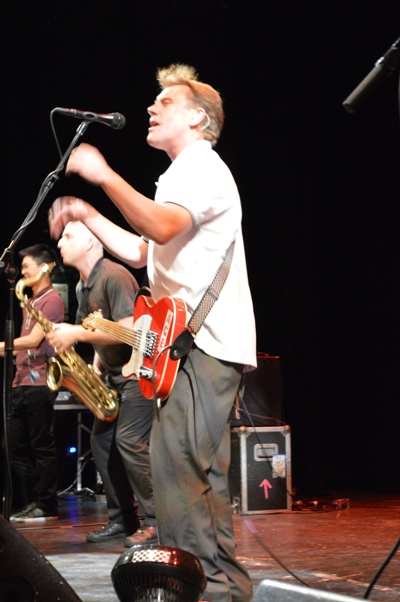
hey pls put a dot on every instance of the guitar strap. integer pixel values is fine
(184, 341)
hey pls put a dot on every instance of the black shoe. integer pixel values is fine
(109, 531)
(145, 535)
(33, 513)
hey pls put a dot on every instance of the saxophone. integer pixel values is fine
(75, 375)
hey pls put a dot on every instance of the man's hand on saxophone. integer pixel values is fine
(62, 336)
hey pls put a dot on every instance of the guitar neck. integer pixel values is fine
(122, 333)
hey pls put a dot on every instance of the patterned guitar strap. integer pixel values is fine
(185, 339)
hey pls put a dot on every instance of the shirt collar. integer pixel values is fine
(92, 276)
(42, 292)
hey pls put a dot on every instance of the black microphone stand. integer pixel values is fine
(7, 267)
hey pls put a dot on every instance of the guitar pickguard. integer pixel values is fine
(141, 349)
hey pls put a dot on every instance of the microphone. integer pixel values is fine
(384, 67)
(116, 121)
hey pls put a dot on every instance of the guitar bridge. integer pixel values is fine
(150, 343)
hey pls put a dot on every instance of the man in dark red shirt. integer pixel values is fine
(33, 450)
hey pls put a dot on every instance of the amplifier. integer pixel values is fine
(259, 399)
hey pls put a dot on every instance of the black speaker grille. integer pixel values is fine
(259, 400)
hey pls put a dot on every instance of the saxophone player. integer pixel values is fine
(120, 448)
(33, 451)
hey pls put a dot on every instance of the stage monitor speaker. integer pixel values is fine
(276, 591)
(259, 400)
(26, 575)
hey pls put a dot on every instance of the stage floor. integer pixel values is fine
(316, 545)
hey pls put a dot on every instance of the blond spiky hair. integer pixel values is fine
(177, 73)
(203, 95)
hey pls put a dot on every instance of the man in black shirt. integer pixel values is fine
(120, 448)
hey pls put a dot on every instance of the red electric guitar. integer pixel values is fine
(155, 327)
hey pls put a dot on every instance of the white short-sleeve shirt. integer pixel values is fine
(202, 183)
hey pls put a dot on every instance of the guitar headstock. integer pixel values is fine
(89, 323)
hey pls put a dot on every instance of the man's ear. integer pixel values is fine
(198, 116)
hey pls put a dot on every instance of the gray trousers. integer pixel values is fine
(121, 453)
(190, 456)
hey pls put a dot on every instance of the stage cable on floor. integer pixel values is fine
(250, 525)
(381, 569)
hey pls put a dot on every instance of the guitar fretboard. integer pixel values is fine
(130, 336)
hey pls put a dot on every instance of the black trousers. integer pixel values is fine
(34, 463)
(121, 454)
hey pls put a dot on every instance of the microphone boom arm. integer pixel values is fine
(46, 186)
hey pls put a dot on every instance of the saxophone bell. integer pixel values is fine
(54, 374)
(81, 380)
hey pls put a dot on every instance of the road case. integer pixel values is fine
(260, 475)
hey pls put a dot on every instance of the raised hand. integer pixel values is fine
(65, 209)
(88, 162)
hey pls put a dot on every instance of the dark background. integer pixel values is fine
(319, 187)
